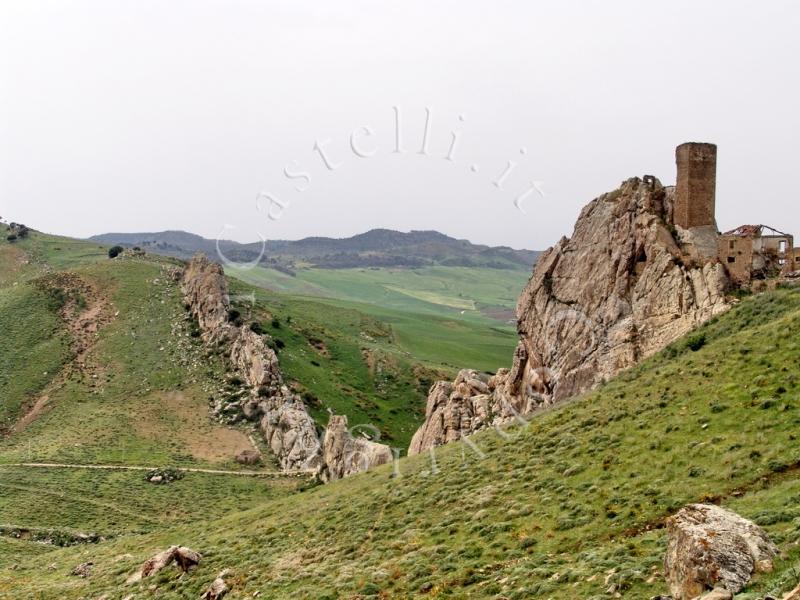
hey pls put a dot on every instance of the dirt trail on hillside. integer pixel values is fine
(84, 311)
(243, 473)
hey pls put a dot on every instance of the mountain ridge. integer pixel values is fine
(374, 248)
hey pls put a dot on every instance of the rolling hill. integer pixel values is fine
(569, 505)
(375, 248)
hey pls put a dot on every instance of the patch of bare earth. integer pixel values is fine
(85, 310)
(11, 261)
(184, 417)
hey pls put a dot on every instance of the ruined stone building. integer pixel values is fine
(644, 266)
(749, 252)
(757, 252)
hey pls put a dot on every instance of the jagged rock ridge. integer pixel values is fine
(620, 289)
(287, 427)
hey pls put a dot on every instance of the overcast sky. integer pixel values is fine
(151, 115)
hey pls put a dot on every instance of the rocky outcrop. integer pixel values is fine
(287, 427)
(185, 558)
(709, 547)
(344, 454)
(290, 432)
(620, 289)
(256, 362)
(206, 294)
(466, 404)
(218, 588)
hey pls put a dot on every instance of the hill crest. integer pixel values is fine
(373, 248)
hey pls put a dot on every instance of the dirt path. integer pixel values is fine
(142, 468)
(84, 312)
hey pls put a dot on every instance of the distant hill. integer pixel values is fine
(375, 248)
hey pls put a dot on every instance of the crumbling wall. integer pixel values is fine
(736, 253)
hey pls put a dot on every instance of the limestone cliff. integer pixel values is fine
(621, 288)
(288, 428)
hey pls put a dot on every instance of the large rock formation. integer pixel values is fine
(288, 428)
(710, 547)
(621, 288)
(344, 454)
(206, 293)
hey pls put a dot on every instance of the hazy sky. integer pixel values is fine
(150, 115)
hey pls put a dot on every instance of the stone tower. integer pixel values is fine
(696, 185)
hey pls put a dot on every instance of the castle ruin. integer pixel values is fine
(695, 187)
(749, 252)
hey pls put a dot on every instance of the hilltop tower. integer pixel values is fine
(696, 185)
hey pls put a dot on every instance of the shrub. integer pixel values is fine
(11, 238)
(115, 251)
(697, 341)
(163, 476)
(276, 324)
(255, 327)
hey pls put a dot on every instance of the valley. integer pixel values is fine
(280, 444)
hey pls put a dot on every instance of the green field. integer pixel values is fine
(472, 294)
(565, 507)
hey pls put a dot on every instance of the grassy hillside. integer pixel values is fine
(136, 391)
(373, 363)
(569, 506)
(463, 293)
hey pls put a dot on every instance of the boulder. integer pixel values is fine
(248, 457)
(453, 410)
(185, 558)
(218, 587)
(709, 547)
(83, 570)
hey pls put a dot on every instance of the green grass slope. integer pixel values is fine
(474, 294)
(141, 397)
(568, 506)
(33, 347)
(374, 364)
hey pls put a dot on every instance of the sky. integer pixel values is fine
(494, 121)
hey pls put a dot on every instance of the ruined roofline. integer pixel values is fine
(754, 230)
